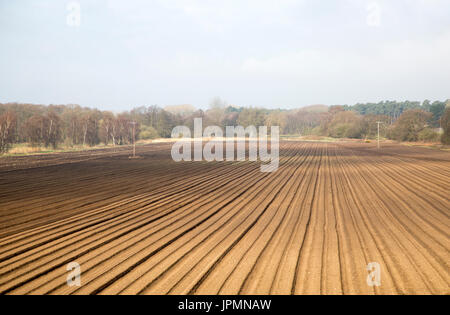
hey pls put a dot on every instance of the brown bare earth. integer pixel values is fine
(153, 226)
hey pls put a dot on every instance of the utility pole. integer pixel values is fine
(379, 122)
(134, 138)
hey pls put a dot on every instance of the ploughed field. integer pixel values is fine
(153, 226)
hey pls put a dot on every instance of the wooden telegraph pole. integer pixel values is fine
(379, 122)
(134, 138)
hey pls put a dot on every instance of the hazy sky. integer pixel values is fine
(273, 53)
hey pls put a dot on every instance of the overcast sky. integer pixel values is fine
(272, 53)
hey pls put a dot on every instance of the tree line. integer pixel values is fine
(73, 125)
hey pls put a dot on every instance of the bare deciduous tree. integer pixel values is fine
(8, 123)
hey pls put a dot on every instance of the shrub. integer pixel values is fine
(428, 135)
(147, 133)
(345, 125)
(409, 125)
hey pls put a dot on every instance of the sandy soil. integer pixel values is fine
(152, 226)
